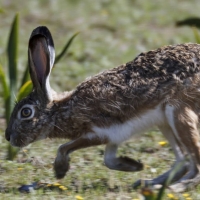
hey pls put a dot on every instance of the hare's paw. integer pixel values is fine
(173, 174)
(61, 166)
(123, 164)
(186, 183)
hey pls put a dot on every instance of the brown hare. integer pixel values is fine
(158, 88)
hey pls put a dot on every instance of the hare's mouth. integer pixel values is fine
(18, 141)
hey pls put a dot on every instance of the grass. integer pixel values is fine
(111, 33)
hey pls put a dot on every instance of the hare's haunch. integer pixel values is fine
(158, 88)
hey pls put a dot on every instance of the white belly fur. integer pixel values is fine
(118, 133)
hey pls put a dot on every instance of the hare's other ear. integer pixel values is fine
(41, 56)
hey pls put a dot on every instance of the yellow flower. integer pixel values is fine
(49, 185)
(171, 196)
(56, 184)
(19, 168)
(62, 187)
(162, 143)
(79, 197)
(186, 195)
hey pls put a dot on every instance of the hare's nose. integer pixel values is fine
(7, 135)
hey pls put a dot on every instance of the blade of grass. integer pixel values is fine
(25, 76)
(4, 84)
(2, 10)
(24, 90)
(168, 181)
(12, 50)
(66, 47)
(6, 93)
(196, 35)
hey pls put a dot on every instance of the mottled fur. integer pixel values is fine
(160, 87)
(119, 94)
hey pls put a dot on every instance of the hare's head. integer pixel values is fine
(32, 119)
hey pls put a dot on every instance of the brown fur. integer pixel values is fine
(119, 94)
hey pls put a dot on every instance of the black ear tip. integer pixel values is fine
(40, 30)
(43, 31)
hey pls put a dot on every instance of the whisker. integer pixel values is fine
(57, 127)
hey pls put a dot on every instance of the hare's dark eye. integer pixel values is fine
(26, 112)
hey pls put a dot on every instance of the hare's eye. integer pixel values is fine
(26, 112)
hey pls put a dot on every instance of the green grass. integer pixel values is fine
(111, 33)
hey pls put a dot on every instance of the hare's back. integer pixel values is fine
(149, 80)
(181, 61)
(147, 74)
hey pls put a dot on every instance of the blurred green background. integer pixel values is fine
(112, 32)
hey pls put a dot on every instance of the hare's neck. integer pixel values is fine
(63, 96)
(66, 123)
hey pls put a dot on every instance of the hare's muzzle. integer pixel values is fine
(7, 135)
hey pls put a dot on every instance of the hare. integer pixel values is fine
(158, 88)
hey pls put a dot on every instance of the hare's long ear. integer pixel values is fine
(41, 56)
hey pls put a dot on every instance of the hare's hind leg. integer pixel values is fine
(184, 121)
(120, 163)
(178, 166)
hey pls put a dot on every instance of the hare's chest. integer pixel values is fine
(118, 133)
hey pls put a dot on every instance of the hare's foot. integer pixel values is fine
(185, 185)
(120, 163)
(61, 166)
(189, 181)
(177, 171)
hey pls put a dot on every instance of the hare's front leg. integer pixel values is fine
(61, 164)
(120, 163)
